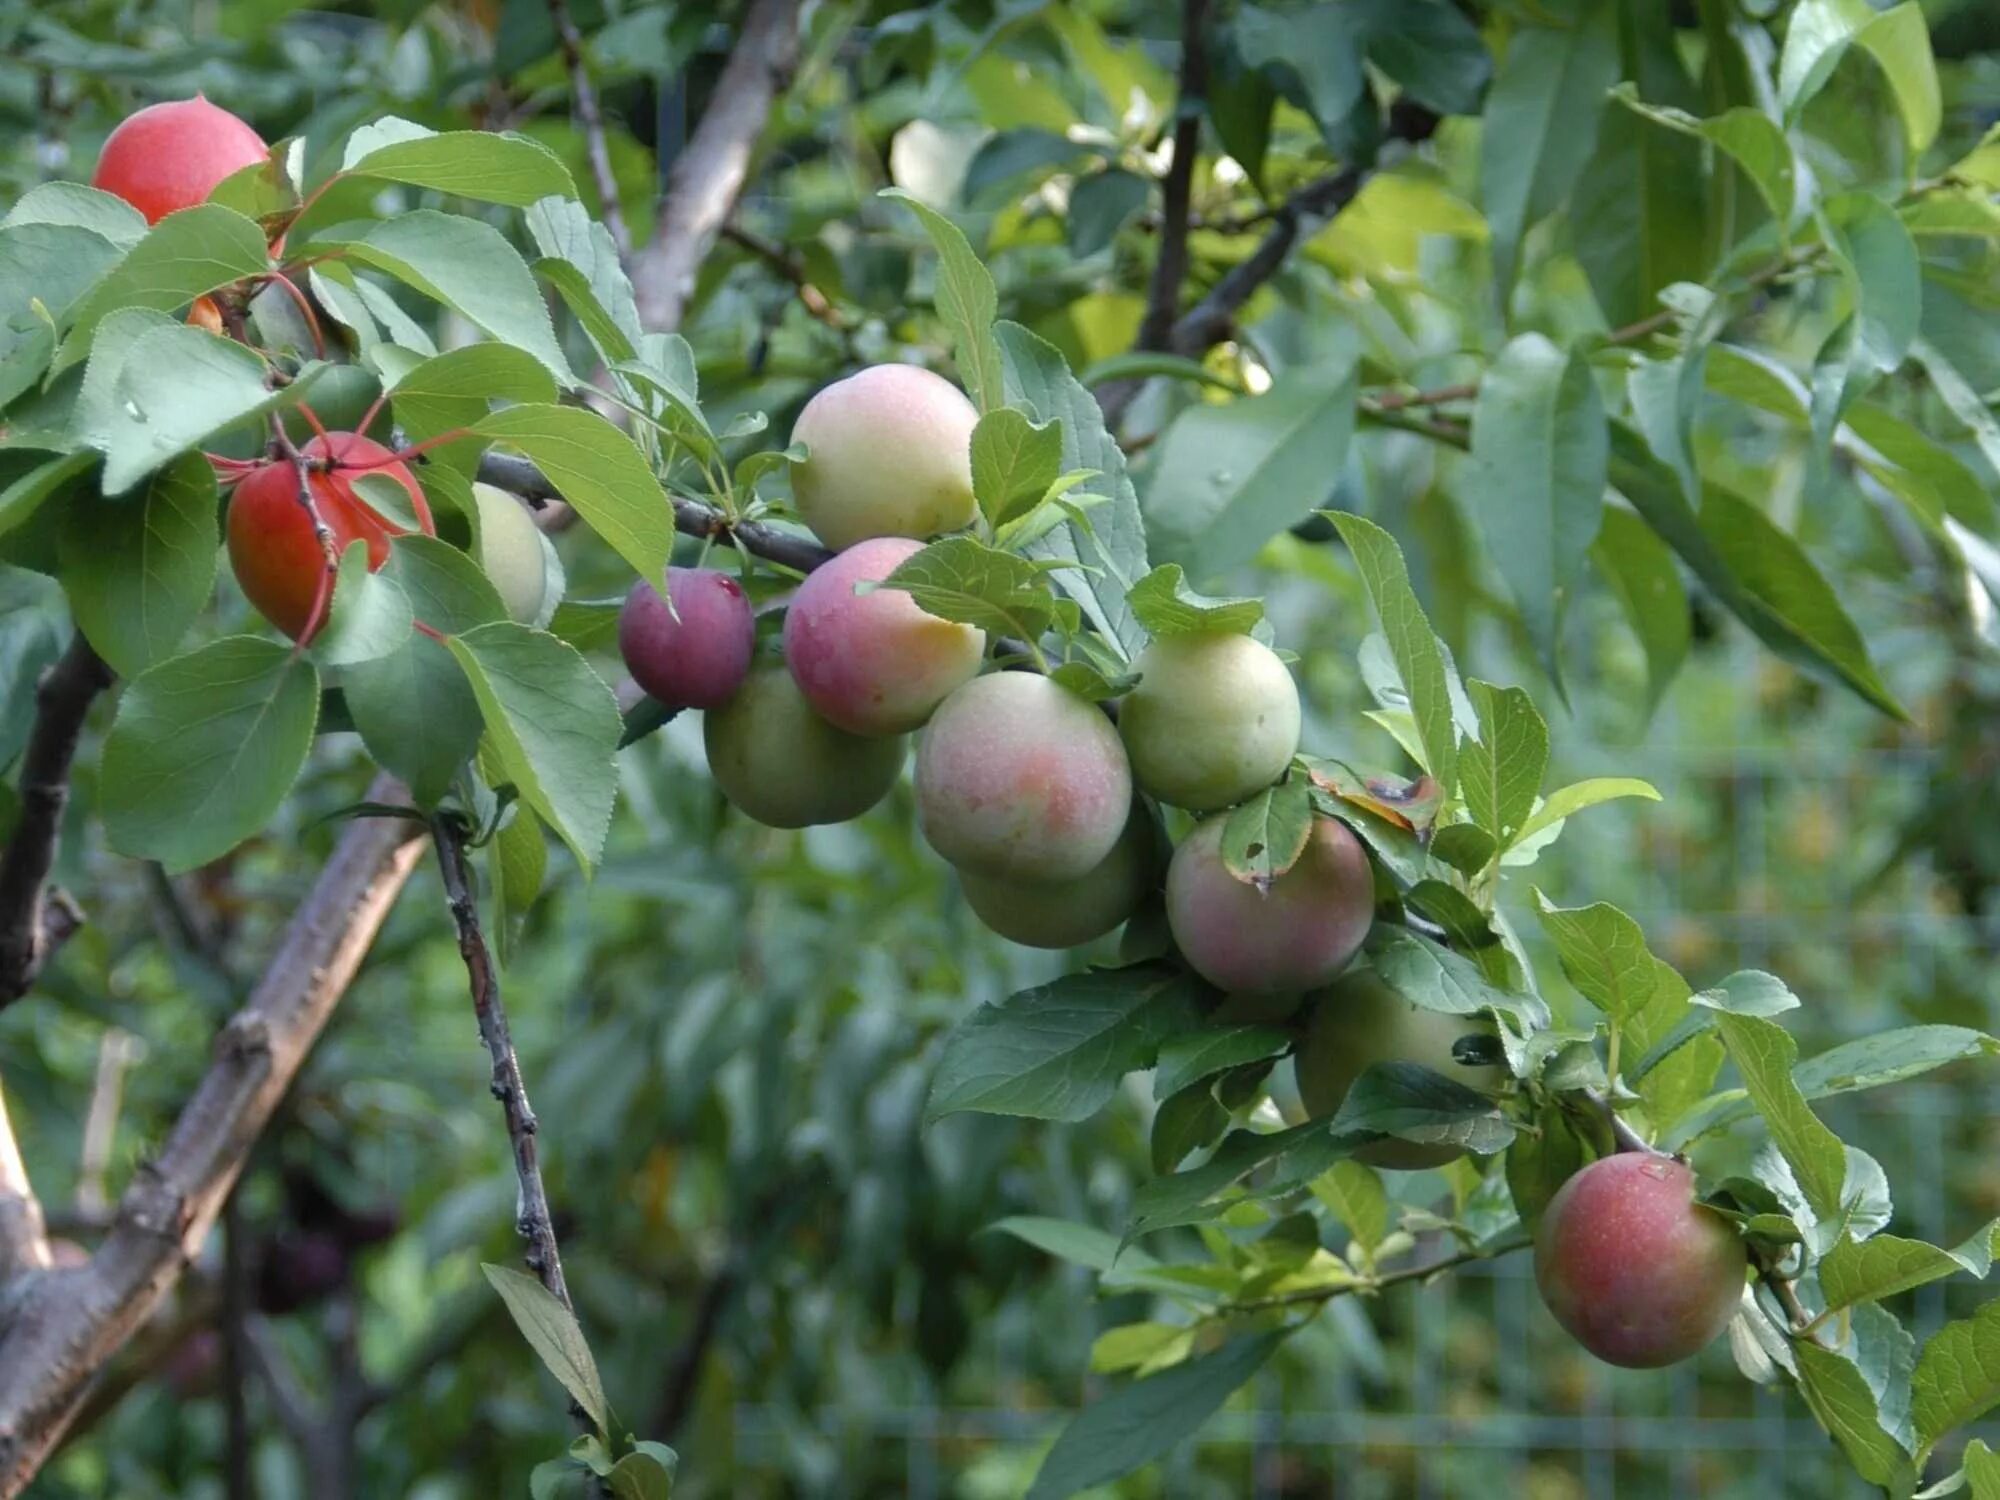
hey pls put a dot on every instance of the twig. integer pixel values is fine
(24, 1238)
(1387, 1279)
(1627, 1138)
(62, 1333)
(1170, 270)
(532, 1209)
(708, 176)
(790, 266)
(33, 924)
(584, 95)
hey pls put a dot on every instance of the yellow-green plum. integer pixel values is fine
(1638, 1272)
(696, 654)
(890, 454)
(1020, 779)
(1214, 719)
(1292, 938)
(1064, 913)
(787, 767)
(874, 663)
(512, 552)
(1358, 1021)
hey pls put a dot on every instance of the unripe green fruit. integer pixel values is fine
(1065, 913)
(1359, 1021)
(1214, 720)
(891, 455)
(513, 554)
(1019, 778)
(1638, 1272)
(784, 765)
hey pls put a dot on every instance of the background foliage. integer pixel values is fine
(733, 1032)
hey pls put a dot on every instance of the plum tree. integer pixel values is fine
(1293, 938)
(784, 765)
(890, 455)
(273, 549)
(696, 654)
(1065, 913)
(172, 155)
(1215, 718)
(1019, 778)
(1358, 1021)
(515, 555)
(874, 663)
(1638, 1272)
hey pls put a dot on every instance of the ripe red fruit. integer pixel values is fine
(1638, 1272)
(272, 547)
(171, 156)
(699, 659)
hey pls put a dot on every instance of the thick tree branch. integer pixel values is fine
(1170, 270)
(584, 95)
(32, 924)
(74, 1320)
(24, 1237)
(708, 176)
(532, 1206)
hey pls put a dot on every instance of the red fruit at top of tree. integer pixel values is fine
(172, 156)
(272, 547)
(699, 659)
(874, 663)
(1638, 1272)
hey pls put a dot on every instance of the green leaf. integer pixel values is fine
(369, 617)
(72, 203)
(1749, 137)
(1640, 569)
(1749, 992)
(1014, 461)
(1355, 1195)
(1166, 606)
(137, 572)
(1232, 475)
(961, 578)
(204, 748)
(465, 264)
(1265, 836)
(1195, 1055)
(1890, 1057)
(1764, 1054)
(1847, 1407)
(417, 715)
(1057, 1051)
(1880, 1267)
(1578, 795)
(44, 270)
(1884, 276)
(458, 388)
(553, 1332)
(1604, 954)
(1100, 205)
(1413, 1103)
(553, 723)
(521, 859)
(1822, 31)
(1541, 123)
(1539, 451)
(1011, 154)
(1080, 1244)
(1918, 470)
(1500, 773)
(1414, 648)
(182, 257)
(1145, 364)
(485, 166)
(598, 470)
(20, 500)
(966, 301)
(1186, 1122)
(641, 1476)
(1113, 546)
(1431, 50)
(1957, 1378)
(1138, 1422)
(1134, 1346)
(580, 260)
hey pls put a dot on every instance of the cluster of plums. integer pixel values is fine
(1042, 804)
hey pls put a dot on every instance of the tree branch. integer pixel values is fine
(708, 176)
(24, 1237)
(1170, 270)
(792, 267)
(584, 95)
(74, 1320)
(1370, 1284)
(33, 925)
(532, 1208)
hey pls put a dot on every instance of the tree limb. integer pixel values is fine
(24, 1237)
(707, 177)
(33, 925)
(74, 1320)
(584, 94)
(1170, 270)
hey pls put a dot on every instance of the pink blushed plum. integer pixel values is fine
(699, 659)
(874, 663)
(889, 454)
